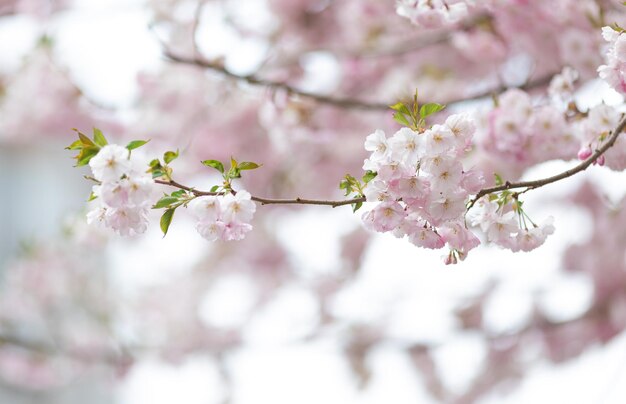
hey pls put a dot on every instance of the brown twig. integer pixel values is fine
(267, 201)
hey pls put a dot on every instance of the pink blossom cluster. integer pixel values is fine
(125, 192)
(223, 217)
(521, 133)
(421, 185)
(594, 130)
(501, 223)
(433, 13)
(614, 72)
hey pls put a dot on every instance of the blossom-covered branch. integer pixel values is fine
(416, 176)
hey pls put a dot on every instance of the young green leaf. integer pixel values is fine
(86, 154)
(99, 138)
(356, 206)
(248, 165)
(401, 107)
(214, 188)
(215, 164)
(166, 220)
(234, 172)
(84, 139)
(430, 108)
(135, 144)
(165, 202)
(498, 179)
(76, 145)
(369, 175)
(179, 194)
(170, 156)
(401, 119)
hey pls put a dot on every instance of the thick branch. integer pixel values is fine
(565, 174)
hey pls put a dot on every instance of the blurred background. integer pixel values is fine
(310, 307)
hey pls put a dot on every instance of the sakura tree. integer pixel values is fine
(430, 121)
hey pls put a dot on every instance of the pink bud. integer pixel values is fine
(599, 161)
(584, 153)
(450, 259)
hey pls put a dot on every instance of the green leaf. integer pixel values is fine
(430, 108)
(166, 220)
(99, 138)
(234, 173)
(214, 188)
(155, 163)
(233, 162)
(215, 164)
(86, 154)
(85, 140)
(498, 179)
(135, 144)
(369, 175)
(179, 194)
(165, 202)
(248, 165)
(356, 206)
(401, 107)
(77, 145)
(92, 196)
(170, 156)
(349, 183)
(401, 119)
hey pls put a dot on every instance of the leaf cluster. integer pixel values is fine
(170, 203)
(160, 169)
(88, 148)
(352, 185)
(412, 115)
(232, 173)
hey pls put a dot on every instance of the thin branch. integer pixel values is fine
(268, 201)
(347, 103)
(565, 174)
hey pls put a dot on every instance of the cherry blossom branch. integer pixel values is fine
(268, 201)
(347, 103)
(565, 174)
(486, 191)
